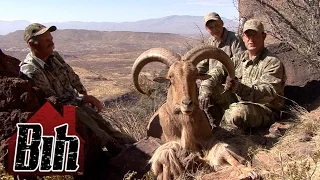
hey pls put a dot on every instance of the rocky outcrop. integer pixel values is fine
(18, 99)
(303, 78)
(9, 65)
(133, 159)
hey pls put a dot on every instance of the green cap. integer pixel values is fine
(253, 24)
(211, 16)
(36, 29)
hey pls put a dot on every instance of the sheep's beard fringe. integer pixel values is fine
(189, 137)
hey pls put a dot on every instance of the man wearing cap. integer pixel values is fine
(221, 38)
(254, 97)
(47, 70)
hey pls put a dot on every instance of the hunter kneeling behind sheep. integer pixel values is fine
(253, 98)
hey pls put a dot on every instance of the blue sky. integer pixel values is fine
(43, 11)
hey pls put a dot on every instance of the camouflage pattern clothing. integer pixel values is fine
(258, 100)
(56, 78)
(230, 44)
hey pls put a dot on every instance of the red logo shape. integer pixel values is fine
(47, 144)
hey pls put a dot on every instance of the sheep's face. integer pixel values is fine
(183, 92)
(183, 88)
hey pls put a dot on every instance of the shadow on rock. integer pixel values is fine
(133, 159)
(304, 96)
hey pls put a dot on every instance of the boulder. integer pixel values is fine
(18, 99)
(133, 159)
(303, 77)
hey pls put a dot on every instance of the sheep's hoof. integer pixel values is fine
(249, 174)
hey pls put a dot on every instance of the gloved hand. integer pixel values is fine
(232, 84)
(204, 100)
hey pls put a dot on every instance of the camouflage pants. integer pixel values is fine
(102, 129)
(239, 113)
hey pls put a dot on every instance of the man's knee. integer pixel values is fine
(248, 115)
(236, 115)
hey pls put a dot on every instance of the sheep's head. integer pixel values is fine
(182, 93)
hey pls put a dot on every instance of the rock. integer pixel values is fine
(18, 99)
(133, 158)
(9, 65)
(279, 128)
(228, 173)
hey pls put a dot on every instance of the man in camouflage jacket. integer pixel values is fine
(47, 70)
(221, 38)
(254, 97)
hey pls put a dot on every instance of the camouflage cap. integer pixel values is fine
(211, 16)
(253, 24)
(36, 29)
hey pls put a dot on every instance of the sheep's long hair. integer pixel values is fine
(172, 161)
(165, 163)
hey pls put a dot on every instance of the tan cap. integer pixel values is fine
(211, 16)
(253, 24)
(36, 29)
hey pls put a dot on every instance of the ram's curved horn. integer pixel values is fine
(202, 52)
(152, 55)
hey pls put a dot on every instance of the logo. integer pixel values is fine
(47, 144)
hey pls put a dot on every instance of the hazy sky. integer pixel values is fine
(110, 10)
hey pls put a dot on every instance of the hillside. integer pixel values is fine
(80, 42)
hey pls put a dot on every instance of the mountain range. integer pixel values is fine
(171, 24)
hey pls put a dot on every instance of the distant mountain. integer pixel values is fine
(169, 24)
(11, 26)
(80, 42)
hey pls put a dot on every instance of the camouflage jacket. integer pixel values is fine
(54, 77)
(230, 44)
(262, 79)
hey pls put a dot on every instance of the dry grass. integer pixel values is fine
(128, 120)
(3, 174)
(133, 117)
(296, 155)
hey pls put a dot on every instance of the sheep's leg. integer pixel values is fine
(165, 163)
(166, 172)
(232, 159)
(160, 176)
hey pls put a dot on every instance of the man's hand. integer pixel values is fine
(93, 101)
(232, 84)
(204, 100)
